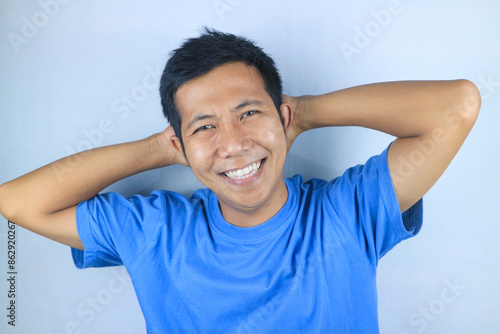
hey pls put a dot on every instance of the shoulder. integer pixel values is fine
(374, 173)
(306, 189)
(297, 183)
(157, 202)
(172, 202)
(362, 179)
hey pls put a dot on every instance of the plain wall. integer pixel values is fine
(81, 74)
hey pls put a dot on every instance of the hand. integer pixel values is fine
(297, 125)
(170, 153)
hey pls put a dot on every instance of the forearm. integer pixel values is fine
(402, 109)
(67, 182)
(430, 118)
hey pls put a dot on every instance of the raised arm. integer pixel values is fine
(44, 201)
(430, 119)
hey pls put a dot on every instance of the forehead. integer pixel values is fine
(223, 88)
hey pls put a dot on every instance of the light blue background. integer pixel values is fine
(64, 88)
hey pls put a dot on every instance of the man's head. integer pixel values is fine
(198, 56)
(222, 96)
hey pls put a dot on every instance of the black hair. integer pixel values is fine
(198, 56)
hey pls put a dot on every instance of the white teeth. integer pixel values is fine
(245, 172)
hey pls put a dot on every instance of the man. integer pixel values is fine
(253, 252)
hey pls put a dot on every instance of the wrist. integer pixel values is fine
(162, 151)
(158, 154)
(303, 118)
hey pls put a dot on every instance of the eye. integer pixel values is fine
(203, 128)
(249, 113)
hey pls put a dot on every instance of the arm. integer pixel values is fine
(44, 201)
(430, 119)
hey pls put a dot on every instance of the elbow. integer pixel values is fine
(462, 106)
(12, 207)
(469, 102)
(9, 207)
(5, 209)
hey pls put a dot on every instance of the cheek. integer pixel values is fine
(198, 157)
(275, 137)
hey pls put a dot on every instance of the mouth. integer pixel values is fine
(244, 173)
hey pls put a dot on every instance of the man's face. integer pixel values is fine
(234, 141)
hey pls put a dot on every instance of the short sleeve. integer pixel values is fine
(365, 200)
(113, 229)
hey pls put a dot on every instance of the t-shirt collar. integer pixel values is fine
(256, 232)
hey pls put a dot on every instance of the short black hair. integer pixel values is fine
(198, 56)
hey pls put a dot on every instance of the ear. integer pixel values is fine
(287, 113)
(176, 144)
(291, 131)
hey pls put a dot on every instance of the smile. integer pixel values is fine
(240, 174)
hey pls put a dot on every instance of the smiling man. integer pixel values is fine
(253, 252)
(235, 141)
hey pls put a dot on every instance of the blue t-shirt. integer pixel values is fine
(310, 269)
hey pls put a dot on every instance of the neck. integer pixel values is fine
(250, 217)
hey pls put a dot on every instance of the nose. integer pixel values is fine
(232, 140)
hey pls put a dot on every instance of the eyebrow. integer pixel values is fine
(243, 104)
(246, 103)
(198, 118)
